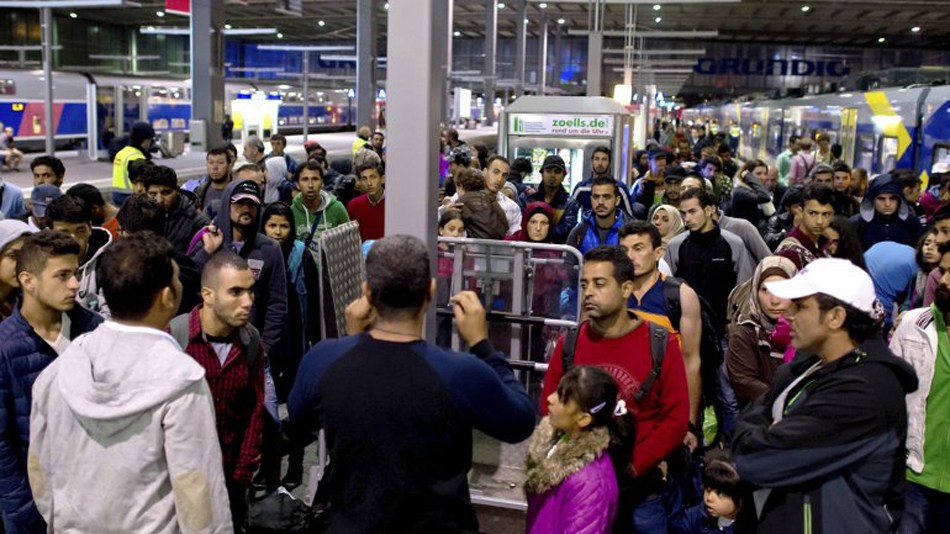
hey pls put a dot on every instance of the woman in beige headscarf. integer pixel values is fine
(668, 222)
(756, 348)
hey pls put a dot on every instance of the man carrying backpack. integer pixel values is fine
(648, 367)
(668, 302)
(218, 336)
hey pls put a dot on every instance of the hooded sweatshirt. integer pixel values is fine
(90, 295)
(266, 261)
(183, 222)
(833, 460)
(872, 227)
(126, 412)
(331, 212)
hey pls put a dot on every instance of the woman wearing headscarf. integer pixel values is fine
(276, 168)
(756, 346)
(666, 219)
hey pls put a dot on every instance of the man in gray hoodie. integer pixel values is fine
(125, 412)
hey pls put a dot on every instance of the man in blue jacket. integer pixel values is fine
(40, 329)
(399, 412)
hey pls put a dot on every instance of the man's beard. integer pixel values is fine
(942, 298)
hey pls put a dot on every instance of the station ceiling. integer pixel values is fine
(807, 22)
(900, 24)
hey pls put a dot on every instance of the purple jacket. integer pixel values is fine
(575, 490)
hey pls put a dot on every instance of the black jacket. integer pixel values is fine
(745, 200)
(266, 260)
(183, 222)
(834, 464)
(776, 228)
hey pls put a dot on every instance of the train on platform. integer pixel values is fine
(114, 103)
(878, 130)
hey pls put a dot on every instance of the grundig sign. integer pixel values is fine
(770, 67)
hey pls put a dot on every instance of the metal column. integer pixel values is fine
(448, 102)
(521, 43)
(543, 53)
(556, 66)
(47, 22)
(595, 48)
(306, 93)
(491, 40)
(366, 63)
(415, 81)
(207, 68)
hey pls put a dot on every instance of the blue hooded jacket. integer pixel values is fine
(873, 227)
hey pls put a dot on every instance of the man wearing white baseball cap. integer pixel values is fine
(826, 443)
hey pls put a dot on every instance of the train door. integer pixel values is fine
(109, 126)
(846, 137)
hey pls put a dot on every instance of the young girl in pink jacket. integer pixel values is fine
(571, 483)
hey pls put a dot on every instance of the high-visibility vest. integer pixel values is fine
(120, 168)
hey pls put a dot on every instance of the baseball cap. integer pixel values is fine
(41, 196)
(835, 277)
(554, 161)
(246, 190)
(11, 230)
(674, 174)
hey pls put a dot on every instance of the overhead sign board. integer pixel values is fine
(561, 125)
(179, 7)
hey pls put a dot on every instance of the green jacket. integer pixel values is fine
(330, 213)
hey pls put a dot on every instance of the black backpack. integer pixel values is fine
(710, 349)
(658, 340)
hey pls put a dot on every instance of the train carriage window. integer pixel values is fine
(7, 87)
(864, 156)
(941, 155)
(888, 156)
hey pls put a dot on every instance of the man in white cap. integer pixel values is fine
(826, 443)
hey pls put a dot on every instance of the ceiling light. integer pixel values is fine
(321, 23)
(159, 13)
(805, 9)
(881, 39)
(458, 34)
(386, 5)
(915, 29)
(501, 5)
(227, 26)
(658, 19)
(543, 5)
(280, 36)
(73, 15)
(657, 7)
(561, 21)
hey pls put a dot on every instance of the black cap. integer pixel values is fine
(657, 152)
(674, 174)
(246, 190)
(693, 173)
(140, 131)
(554, 161)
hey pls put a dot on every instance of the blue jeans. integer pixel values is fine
(925, 510)
(649, 517)
(727, 408)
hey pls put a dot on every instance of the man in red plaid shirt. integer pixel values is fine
(230, 350)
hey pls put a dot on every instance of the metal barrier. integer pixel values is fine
(521, 286)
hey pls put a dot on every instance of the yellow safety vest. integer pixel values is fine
(358, 144)
(120, 168)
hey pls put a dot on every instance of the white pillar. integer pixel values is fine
(414, 86)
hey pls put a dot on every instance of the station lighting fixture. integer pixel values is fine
(657, 7)
(321, 23)
(806, 9)
(881, 39)
(561, 21)
(501, 5)
(915, 29)
(159, 13)
(74, 15)
(280, 35)
(458, 34)
(543, 5)
(386, 6)
(227, 26)
(658, 19)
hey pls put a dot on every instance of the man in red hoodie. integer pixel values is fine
(617, 340)
(369, 209)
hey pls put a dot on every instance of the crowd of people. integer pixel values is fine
(757, 347)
